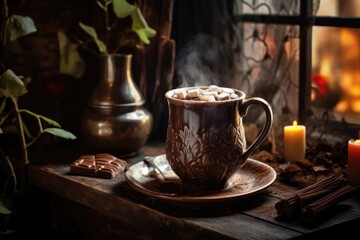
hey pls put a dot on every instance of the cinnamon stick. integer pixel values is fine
(323, 188)
(313, 211)
(293, 204)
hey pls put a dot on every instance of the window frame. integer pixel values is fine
(306, 21)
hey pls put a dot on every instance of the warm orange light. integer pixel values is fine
(342, 106)
(349, 42)
(326, 68)
(348, 79)
(355, 106)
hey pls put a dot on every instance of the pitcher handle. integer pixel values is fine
(269, 120)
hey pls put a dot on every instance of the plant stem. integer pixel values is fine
(12, 175)
(5, 13)
(107, 24)
(21, 131)
(34, 140)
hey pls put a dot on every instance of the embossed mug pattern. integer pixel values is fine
(205, 143)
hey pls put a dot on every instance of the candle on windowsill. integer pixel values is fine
(294, 142)
(354, 162)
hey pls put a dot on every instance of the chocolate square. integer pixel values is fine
(100, 165)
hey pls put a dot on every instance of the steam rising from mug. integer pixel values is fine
(196, 62)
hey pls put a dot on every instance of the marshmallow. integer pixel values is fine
(194, 93)
(234, 95)
(223, 96)
(215, 88)
(211, 94)
(207, 98)
(181, 94)
(228, 90)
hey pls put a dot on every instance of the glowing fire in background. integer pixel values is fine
(336, 69)
(341, 73)
(350, 76)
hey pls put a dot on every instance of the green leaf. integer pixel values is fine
(46, 119)
(70, 61)
(142, 35)
(89, 30)
(19, 26)
(140, 27)
(11, 85)
(50, 121)
(26, 80)
(138, 20)
(101, 45)
(145, 33)
(122, 8)
(149, 32)
(92, 33)
(60, 133)
(102, 6)
(3, 209)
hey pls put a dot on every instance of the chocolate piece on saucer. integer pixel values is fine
(100, 165)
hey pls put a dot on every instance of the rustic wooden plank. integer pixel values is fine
(249, 218)
(94, 193)
(95, 197)
(77, 221)
(244, 227)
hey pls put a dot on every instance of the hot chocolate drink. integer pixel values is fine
(205, 142)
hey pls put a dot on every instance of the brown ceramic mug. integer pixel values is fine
(205, 142)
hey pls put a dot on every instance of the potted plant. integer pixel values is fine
(113, 11)
(116, 120)
(14, 119)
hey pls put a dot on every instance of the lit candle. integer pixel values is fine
(294, 142)
(354, 162)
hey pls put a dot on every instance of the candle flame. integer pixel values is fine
(295, 123)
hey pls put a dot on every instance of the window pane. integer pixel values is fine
(267, 61)
(336, 72)
(347, 8)
(268, 7)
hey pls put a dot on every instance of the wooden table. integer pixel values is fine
(106, 209)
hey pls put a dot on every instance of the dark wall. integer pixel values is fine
(202, 30)
(56, 96)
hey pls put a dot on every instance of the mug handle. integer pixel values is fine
(269, 120)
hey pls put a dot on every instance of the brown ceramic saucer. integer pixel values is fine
(253, 177)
